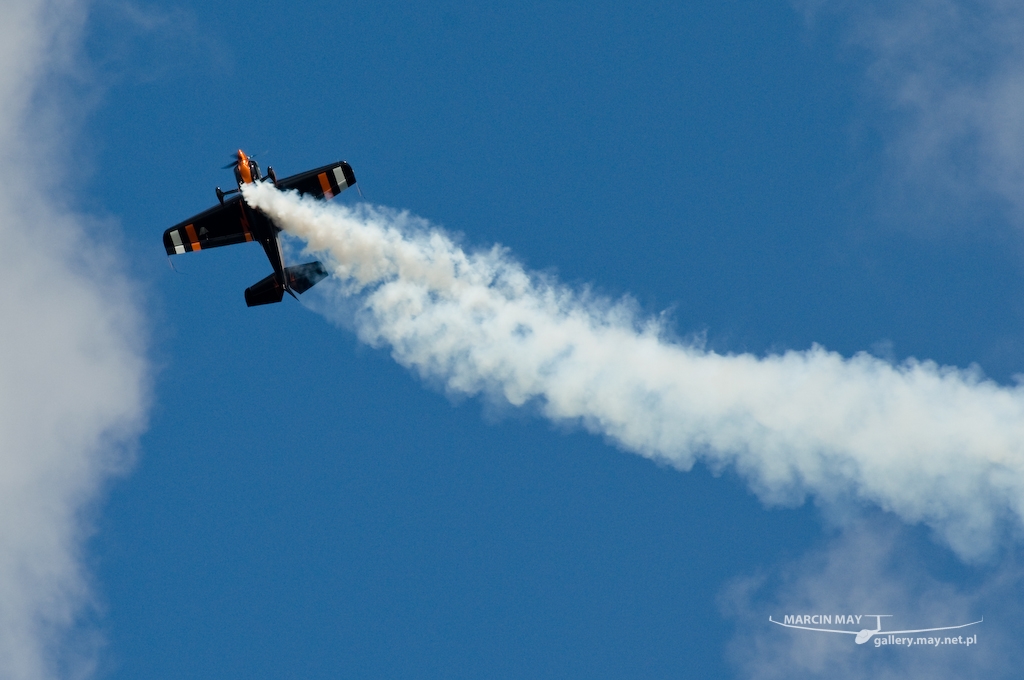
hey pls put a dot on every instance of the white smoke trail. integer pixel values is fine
(72, 367)
(932, 444)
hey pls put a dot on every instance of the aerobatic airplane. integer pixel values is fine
(234, 221)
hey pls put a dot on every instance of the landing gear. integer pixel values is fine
(271, 174)
(220, 196)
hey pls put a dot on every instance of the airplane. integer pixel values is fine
(867, 633)
(234, 221)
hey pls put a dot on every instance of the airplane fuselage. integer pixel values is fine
(247, 171)
(265, 232)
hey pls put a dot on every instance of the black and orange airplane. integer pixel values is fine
(233, 221)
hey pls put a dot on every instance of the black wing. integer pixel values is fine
(221, 225)
(326, 182)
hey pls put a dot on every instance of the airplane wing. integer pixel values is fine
(326, 182)
(928, 630)
(221, 225)
(820, 630)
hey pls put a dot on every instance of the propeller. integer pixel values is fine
(234, 160)
(252, 156)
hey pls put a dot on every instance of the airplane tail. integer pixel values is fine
(300, 278)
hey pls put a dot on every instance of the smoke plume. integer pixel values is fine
(72, 374)
(932, 444)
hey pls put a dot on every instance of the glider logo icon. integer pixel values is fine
(816, 622)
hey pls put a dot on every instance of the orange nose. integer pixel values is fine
(245, 171)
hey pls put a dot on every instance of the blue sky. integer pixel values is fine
(287, 501)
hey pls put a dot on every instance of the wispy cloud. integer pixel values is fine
(73, 374)
(932, 444)
(947, 77)
(873, 567)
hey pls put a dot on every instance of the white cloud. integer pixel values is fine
(873, 567)
(72, 374)
(931, 444)
(949, 77)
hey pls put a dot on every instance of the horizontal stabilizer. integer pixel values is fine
(300, 278)
(265, 292)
